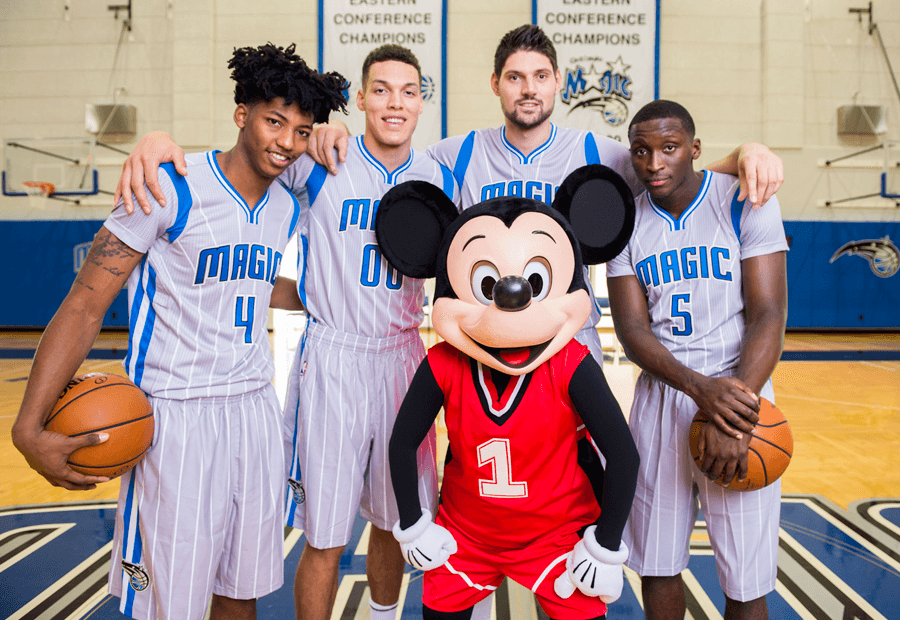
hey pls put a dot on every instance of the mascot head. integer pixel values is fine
(509, 277)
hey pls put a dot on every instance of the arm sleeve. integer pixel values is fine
(139, 231)
(445, 151)
(418, 411)
(297, 174)
(761, 230)
(621, 264)
(603, 419)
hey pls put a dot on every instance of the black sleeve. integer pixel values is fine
(603, 419)
(420, 407)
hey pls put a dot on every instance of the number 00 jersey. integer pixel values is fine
(513, 474)
(343, 280)
(199, 299)
(690, 269)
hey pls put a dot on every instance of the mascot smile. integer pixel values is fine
(518, 392)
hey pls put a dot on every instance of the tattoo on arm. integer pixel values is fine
(107, 246)
(107, 253)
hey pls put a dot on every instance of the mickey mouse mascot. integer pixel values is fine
(517, 390)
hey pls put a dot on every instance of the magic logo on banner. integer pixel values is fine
(608, 54)
(350, 29)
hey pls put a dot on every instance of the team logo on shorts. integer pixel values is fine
(882, 255)
(299, 492)
(138, 578)
(597, 85)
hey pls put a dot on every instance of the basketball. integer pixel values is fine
(102, 402)
(771, 447)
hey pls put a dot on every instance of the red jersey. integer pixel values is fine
(513, 475)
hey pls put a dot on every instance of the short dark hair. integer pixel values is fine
(662, 108)
(529, 38)
(267, 72)
(390, 52)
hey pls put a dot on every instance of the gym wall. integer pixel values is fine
(772, 71)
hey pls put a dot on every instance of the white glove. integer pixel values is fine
(594, 570)
(425, 545)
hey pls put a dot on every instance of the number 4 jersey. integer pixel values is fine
(513, 474)
(690, 269)
(199, 299)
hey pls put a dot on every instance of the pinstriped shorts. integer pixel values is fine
(742, 525)
(202, 512)
(343, 397)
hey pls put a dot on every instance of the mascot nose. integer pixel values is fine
(512, 293)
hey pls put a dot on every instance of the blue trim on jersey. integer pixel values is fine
(448, 181)
(185, 200)
(463, 158)
(149, 322)
(252, 214)
(591, 154)
(295, 216)
(528, 159)
(137, 549)
(296, 473)
(679, 224)
(389, 177)
(301, 281)
(737, 208)
(315, 182)
(133, 314)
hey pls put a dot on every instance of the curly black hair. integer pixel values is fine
(266, 72)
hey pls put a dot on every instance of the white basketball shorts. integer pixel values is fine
(343, 397)
(742, 526)
(202, 512)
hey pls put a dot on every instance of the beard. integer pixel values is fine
(527, 122)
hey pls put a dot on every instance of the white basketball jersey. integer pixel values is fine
(199, 299)
(344, 281)
(485, 165)
(690, 269)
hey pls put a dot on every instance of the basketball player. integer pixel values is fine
(200, 517)
(361, 347)
(530, 156)
(699, 302)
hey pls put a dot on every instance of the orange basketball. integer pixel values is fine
(103, 402)
(771, 447)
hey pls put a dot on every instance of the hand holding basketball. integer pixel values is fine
(102, 403)
(47, 454)
(729, 402)
(769, 450)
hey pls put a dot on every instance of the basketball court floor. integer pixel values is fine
(839, 551)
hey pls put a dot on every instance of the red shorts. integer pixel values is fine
(476, 570)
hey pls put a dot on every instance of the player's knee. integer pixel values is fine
(432, 614)
(224, 608)
(327, 556)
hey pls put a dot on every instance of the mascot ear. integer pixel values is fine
(409, 224)
(600, 208)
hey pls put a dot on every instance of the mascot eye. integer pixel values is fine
(537, 272)
(484, 277)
